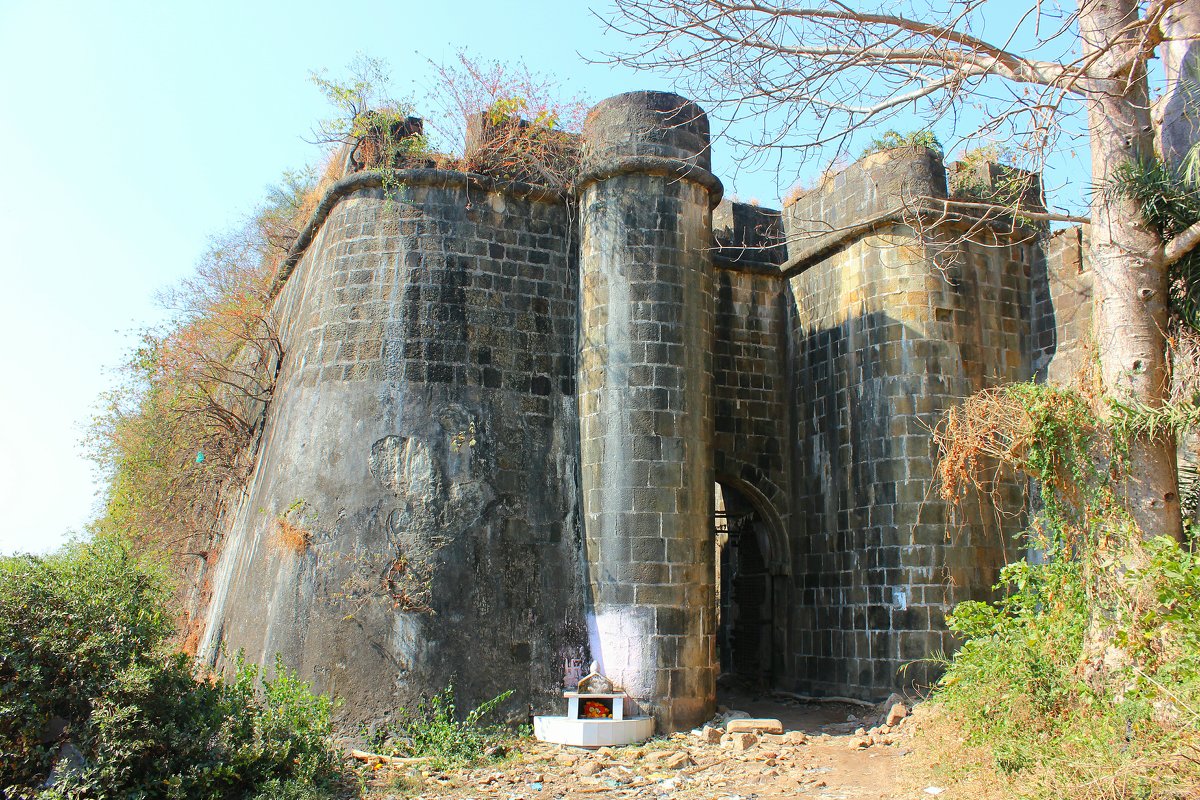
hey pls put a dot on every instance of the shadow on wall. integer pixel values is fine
(879, 557)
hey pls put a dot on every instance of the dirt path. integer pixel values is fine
(826, 752)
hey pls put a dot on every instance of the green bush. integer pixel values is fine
(892, 140)
(84, 641)
(1083, 679)
(435, 729)
(1020, 690)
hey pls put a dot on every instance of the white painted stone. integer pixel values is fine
(593, 732)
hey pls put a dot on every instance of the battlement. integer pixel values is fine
(906, 186)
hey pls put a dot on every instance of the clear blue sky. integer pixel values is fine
(131, 132)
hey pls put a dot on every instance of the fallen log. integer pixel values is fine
(363, 755)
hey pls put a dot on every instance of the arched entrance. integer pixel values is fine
(745, 628)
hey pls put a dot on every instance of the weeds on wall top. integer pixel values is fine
(985, 174)
(500, 120)
(892, 140)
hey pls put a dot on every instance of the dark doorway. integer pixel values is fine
(744, 632)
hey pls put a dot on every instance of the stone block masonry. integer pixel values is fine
(889, 329)
(645, 401)
(503, 411)
(425, 427)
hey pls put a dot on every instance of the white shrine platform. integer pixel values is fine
(579, 730)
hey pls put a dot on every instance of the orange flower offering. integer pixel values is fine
(595, 710)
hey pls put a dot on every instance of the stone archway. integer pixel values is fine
(748, 562)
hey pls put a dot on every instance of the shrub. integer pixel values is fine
(1019, 688)
(435, 728)
(892, 140)
(83, 640)
(69, 624)
(1082, 680)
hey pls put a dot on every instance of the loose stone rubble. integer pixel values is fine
(732, 758)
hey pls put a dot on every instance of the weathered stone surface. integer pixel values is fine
(896, 713)
(754, 726)
(645, 388)
(503, 432)
(425, 420)
(888, 330)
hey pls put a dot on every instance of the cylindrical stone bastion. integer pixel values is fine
(645, 400)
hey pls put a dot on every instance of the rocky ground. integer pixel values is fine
(819, 750)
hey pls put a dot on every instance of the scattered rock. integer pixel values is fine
(668, 759)
(749, 725)
(566, 759)
(897, 712)
(795, 737)
(710, 735)
(860, 743)
(739, 742)
(860, 732)
(588, 768)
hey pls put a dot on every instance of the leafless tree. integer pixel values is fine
(806, 77)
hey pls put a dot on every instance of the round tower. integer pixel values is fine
(645, 400)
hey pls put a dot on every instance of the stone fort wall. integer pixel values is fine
(424, 433)
(892, 322)
(502, 412)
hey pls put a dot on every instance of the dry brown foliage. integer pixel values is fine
(290, 537)
(943, 756)
(1045, 432)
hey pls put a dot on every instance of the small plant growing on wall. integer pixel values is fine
(403, 583)
(290, 533)
(894, 140)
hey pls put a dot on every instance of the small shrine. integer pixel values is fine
(598, 715)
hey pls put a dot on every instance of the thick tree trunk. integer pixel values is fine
(1127, 259)
(1180, 106)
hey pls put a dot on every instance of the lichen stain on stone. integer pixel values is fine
(405, 467)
